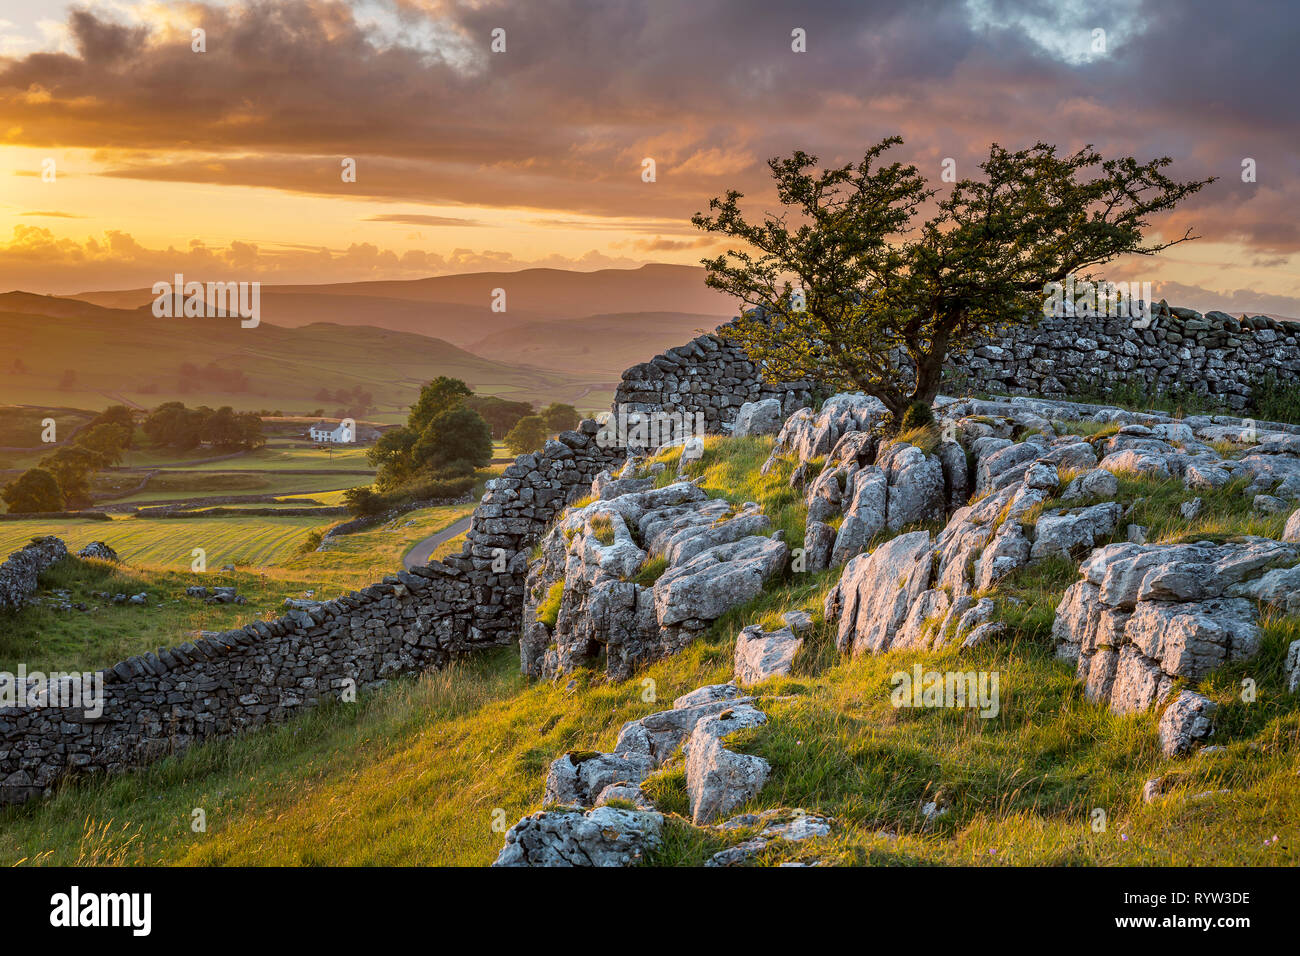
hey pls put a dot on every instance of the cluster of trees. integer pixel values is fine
(443, 437)
(62, 478)
(172, 425)
(447, 437)
(531, 431)
(500, 414)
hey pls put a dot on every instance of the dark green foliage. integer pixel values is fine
(918, 415)
(499, 413)
(33, 491)
(442, 437)
(560, 417)
(1275, 400)
(529, 434)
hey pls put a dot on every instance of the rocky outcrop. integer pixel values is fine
(1144, 616)
(758, 418)
(718, 780)
(774, 827)
(1187, 721)
(716, 557)
(807, 434)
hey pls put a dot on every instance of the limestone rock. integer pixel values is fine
(762, 654)
(605, 836)
(1187, 721)
(758, 418)
(719, 780)
(577, 779)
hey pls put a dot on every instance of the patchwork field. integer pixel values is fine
(274, 559)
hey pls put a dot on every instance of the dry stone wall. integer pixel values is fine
(20, 571)
(708, 376)
(221, 683)
(1213, 354)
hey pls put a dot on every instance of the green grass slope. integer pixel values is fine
(430, 769)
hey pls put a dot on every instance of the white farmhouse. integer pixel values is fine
(341, 434)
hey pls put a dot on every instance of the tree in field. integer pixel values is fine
(34, 491)
(71, 467)
(457, 441)
(106, 440)
(173, 425)
(560, 417)
(529, 434)
(846, 289)
(116, 415)
(441, 435)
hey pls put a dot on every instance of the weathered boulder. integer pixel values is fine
(1145, 615)
(719, 780)
(1187, 721)
(605, 836)
(867, 496)
(917, 490)
(577, 779)
(818, 540)
(657, 736)
(718, 579)
(1292, 530)
(762, 654)
(758, 418)
(1097, 483)
(876, 590)
(777, 826)
(1066, 534)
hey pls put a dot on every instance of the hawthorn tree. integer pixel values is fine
(845, 288)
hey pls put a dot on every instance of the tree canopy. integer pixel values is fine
(442, 436)
(843, 287)
(34, 491)
(529, 434)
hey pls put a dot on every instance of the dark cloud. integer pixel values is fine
(708, 88)
(419, 219)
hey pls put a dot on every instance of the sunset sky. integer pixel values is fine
(227, 163)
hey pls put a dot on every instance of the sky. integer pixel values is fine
(228, 162)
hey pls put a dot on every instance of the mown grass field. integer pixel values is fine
(425, 770)
(270, 565)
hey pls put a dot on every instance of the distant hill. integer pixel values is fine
(530, 293)
(595, 344)
(63, 352)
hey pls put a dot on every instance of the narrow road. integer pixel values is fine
(420, 553)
